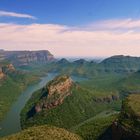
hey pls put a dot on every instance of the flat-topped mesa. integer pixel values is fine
(26, 57)
(59, 85)
(128, 124)
(54, 93)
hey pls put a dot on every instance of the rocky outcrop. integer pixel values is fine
(26, 57)
(54, 93)
(108, 99)
(5, 69)
(127, 127)
(1, 74)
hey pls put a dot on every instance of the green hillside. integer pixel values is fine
(81, 105)
(96, 127)
(13, 83)
(116, 64)
(43, 133)
(89, 103)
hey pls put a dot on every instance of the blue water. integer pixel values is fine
(11, 123)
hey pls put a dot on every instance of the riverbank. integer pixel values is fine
(11, 123)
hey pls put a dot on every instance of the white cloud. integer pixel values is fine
(13, 14)
(64, 40)
(128, 23)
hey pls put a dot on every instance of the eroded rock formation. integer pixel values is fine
(54, 93)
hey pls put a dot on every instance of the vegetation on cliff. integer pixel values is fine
(130, 115)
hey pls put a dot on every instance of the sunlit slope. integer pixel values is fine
(43, 133)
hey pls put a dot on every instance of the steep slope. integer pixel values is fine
(127, 127)
(94, 128)
(43, 133)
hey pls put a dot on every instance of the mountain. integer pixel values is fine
(118, 64)
(65, 104)
(26, 57)
(54, 94)
(43, 133)
(63, 61)
(121, 64)
(80, 62)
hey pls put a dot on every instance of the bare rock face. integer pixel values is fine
(1, 74)
(107, 99)
(8, 68)
(55, 92)
(26, 57)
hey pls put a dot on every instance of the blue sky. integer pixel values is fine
(71, 12)
(71, 27)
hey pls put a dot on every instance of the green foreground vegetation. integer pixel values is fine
(44, 133)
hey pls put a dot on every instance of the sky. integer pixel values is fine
(71, 28)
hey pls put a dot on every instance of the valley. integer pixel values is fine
(82, 97)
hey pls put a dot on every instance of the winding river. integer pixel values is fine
(11, 123)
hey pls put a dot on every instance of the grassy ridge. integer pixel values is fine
(44, 133)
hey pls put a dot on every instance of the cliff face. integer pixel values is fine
(6, 69)
(127, 127)
(26, 57)
(54, 93)
(107, 99)
(1, 74)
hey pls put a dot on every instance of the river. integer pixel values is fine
(11, 123)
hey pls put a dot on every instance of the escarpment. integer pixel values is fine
(127, 127)
(21, 58)
(54, 93)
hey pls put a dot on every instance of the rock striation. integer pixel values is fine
(5, 69)
(26, 57)
(1, 74)
(54, 93)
